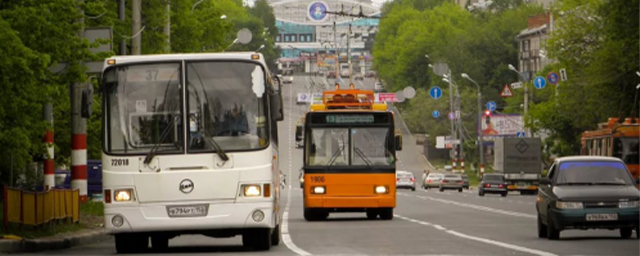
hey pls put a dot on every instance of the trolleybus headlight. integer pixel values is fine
(123, 195)
(117, 221)
(319, 190)
(251, 190)
(381, 190)
(257, 216)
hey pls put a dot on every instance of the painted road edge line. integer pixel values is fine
(286, 237)
(480, 239)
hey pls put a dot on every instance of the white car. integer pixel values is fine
(287, 79)
(378, 87)
(405, 179)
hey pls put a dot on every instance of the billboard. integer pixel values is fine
(502, 125)
(327, 60)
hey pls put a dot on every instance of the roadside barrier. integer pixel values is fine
(38, 208)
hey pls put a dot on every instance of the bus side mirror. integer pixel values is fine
(398, 142)
(545, 181)
(86, 103)
(276, 102)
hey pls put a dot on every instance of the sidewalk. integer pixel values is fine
(9, 244)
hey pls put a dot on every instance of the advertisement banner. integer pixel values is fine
(502, 125)
(386, 97)
(327, 60)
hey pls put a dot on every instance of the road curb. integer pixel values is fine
(46, 244)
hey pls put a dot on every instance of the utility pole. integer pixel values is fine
(453, 133)
(480, 139)
(460, 127)
(167, 27)
(349, 53)
(49, 164)
(121, 16)
(78, 130)
(136, 22)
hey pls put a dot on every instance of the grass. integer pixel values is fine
(90, 217)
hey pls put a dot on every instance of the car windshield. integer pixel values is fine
(492, 178)
(435, 176)
(593, 173)
(404, 175)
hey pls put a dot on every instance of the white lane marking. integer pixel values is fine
(478, 207)
(480, 239)
(286, 237)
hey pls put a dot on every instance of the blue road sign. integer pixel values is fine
(451, 115)
(435, 113)
(435, 92)
(520, 134)
(539, 82)
(553, 77)
(491, 106)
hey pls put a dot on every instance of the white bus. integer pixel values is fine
(190, 146)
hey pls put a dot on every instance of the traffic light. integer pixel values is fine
(487, 113)
(487, 117)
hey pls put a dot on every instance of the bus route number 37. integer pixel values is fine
(317, 179)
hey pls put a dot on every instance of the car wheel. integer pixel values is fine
(626, 233)
(441, 189)
(480, 193)
(542, 228)
(413, 189)
(504, 194)
(552, 232)
(460, 190)
(637, 232)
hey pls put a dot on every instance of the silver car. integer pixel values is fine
(451, 181)
(405, 179)
(432, 180)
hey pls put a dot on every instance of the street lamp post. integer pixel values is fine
(479, 128)
(526, 95)
(456, 110)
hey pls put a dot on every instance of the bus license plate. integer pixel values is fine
(602, 216)
(188, 210)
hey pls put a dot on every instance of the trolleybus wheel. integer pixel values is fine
(258, 239)
(131, 243)
(386, 213)
(275, 236)
(372, 214)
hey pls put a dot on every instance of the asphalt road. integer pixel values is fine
(425, 223)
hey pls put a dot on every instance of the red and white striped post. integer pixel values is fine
(49, 163)
(79, 164)
(481, 168)
(462, 164)
(454, 164)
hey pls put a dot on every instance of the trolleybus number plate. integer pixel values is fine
(188, 210)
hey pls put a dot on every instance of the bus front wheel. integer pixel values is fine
(386, 213)
(313, 215)
(258, 239)
(131, 243)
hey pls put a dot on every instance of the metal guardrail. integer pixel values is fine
(38, 208)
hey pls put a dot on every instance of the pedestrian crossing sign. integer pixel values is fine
(506, 91)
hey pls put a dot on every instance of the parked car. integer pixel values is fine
(405, 179)
(493, 183)
(331, 74)
(451, 181)
(432, 180)
(358, 77)
(588, 192)
(370, 74)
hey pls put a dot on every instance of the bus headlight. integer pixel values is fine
(251, 190)
(319, 190)
(123, 195)
(381, 190)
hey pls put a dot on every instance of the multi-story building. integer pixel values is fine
(311, 39)
(531, 45)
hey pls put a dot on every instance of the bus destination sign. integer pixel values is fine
(349, 119)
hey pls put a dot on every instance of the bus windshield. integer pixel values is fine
(144, 107)
(356, 146)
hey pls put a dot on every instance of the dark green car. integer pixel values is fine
(587, 192)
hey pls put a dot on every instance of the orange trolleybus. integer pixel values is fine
(617, 139)
(349, 156)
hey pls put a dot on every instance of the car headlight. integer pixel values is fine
(381, 190)
(319, 190)
(123, 195)
(569, 205)
(628, 204)
(251, 190)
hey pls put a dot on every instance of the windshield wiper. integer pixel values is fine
(365, 158)
(335, 155)
(154, 149)
(608, 183)
(217, 146)
(575, 183)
